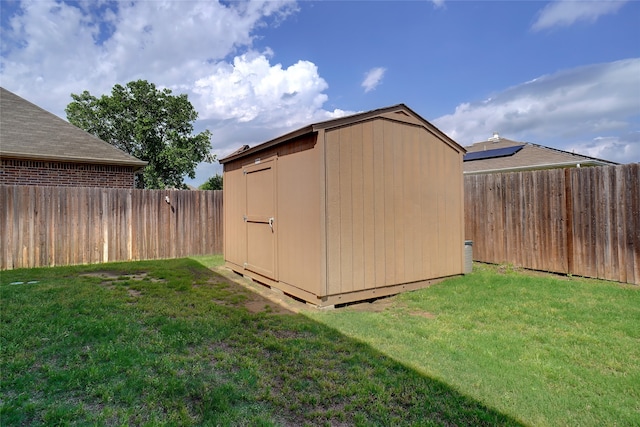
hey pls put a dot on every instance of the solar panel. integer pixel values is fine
(490, 154)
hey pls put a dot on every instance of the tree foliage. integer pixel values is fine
(150, 124)
(213, 183)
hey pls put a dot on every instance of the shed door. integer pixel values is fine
(260, 218)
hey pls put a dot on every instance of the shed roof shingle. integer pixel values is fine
(30, 132)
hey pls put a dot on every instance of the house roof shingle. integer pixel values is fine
(531, 156)
(30, 132)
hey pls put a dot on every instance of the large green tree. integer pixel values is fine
(150, 124)
(213, 183)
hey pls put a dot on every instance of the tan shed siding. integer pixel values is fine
(394, 206)
(235, 244)
(298, 220)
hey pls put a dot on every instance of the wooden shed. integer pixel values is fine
(347, 209)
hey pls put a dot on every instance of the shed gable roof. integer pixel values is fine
(530, 156)
(30, 132)
(398, 112)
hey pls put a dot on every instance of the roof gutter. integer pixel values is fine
(137, 164)
(586, 162)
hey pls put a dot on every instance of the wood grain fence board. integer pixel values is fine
(583, 221)
(632, 214)
(47, 226)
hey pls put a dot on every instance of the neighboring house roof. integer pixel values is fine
(29, 132)
(499, 154)
(387, 112)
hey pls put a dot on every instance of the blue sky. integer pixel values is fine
(565, 74)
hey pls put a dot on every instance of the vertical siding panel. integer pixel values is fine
(415, 185)
(441, 217)
(346, 212)
(380, 181)
(407, 203)
(333, 237)
(369, 193)
(426, 221)
(398, 201)
(418, 137)
(389, 211)
(357, 206)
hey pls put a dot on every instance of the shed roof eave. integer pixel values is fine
(341, 121)
(260, 147)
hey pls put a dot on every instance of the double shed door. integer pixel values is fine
(260, 218)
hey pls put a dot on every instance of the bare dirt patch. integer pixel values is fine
(109, 277)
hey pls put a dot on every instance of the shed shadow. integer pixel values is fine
(319, 376)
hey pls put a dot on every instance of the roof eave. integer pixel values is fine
(341, 121)
(578, 163)
(260, 147)
(138, 164)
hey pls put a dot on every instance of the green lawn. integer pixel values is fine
(546, 350)
(173, 343)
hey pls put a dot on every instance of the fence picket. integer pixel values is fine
(582, 221)
(47, 226)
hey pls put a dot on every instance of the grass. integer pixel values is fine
(173, 343)
(546, 350)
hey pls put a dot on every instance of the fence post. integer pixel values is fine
(568, 194)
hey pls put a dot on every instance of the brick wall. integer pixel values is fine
(29, 172)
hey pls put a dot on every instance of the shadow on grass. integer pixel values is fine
(173, 342)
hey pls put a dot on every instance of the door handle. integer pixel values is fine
(271, 223)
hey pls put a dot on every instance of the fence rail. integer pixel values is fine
(47, 226)
(583, 221)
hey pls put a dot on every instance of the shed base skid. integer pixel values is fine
(330, 301)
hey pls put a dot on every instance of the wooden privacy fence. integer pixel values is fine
(47, 226)
(582, 221)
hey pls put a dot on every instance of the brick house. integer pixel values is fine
(39, 148)
(497, 155)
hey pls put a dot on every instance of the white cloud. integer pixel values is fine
(251, 89)
(202, 48)
(563, 13)
(438, 3)
(52, 49)
(577, 105)
(373, 78)
(620, 149)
